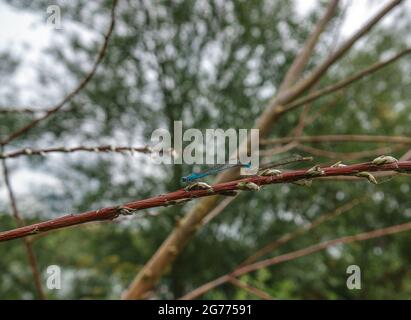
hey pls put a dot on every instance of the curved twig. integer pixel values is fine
(20, 222)
(76, 90)
(270, 247)
(344, 83)
(20, 110)
(295, 255)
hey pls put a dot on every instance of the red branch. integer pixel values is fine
(183, 195)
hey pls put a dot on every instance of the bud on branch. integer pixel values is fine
(383, 163)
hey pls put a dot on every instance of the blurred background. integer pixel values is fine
(212, 64)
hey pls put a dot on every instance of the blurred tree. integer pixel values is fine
(212, 64)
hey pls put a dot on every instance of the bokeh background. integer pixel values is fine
(212, 64)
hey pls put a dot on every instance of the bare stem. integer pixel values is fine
(96, 149)
(340, 138)
(20, 110)
(295, 255)
(344, 83)
(20, 222)
(183, 195)
(255, 291)
(270, 247)
(349, 155)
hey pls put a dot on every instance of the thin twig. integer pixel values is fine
(304, 56)
(73, 93)
(20, 110)
(335, 56)
(183, 195)
(344, 83)
(270, 247)
(294, 139)
(218, 209)
(406, 156)
(340, 138)
(255, 291)
(297, 132)
(276, 108)
(96, 149)
(346, 155)
(20, 222)
(296, 254)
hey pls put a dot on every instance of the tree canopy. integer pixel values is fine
(211, 64)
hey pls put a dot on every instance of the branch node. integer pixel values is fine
(384, 160)
(271, 172)
(199, 186)
(338, 164)
(368, 176)
(36, 230)
(248, 186)
(125, 211)
(315, 171)
(147, 149)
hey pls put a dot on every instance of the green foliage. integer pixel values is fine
(212, 64)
